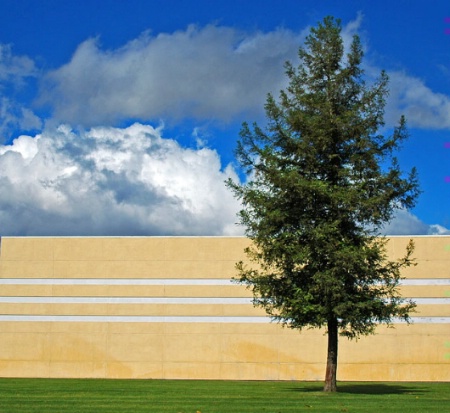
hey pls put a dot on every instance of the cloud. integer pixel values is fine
(406, 223)
(14, 116)
(210, 72)
(14, 72)
(129, 181)
(110, 181)
(408, 95)
(422, 107)
(15, 68)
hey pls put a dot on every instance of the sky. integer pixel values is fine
(119, 118)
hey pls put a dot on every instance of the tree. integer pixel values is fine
(317, 197)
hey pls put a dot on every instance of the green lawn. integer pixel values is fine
(115, 396)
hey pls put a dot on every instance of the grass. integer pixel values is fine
(175, 396)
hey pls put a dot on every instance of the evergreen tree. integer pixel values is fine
(317, 197)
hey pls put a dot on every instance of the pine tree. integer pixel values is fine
(317, 197)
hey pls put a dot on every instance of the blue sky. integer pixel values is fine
(120, 117)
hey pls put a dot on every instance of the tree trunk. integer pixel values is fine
(330, 374)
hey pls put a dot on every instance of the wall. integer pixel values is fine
(165, 308)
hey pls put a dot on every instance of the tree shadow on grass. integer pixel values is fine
(364, 388)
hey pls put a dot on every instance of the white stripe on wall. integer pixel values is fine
(430, 320)
(431, 300)
(162, 300)
(134, 319)
(426, 281)
(175, 319)
(115, 281)
(125, 300)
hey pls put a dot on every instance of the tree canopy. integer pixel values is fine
(321, 183)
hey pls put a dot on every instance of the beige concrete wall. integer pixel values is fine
(164, 308)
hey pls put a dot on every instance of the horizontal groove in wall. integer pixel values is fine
(162, 300)
(170, 281)
(178, 319)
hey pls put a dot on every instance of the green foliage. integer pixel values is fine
(316, 195)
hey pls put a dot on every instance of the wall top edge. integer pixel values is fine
(180, 236)
(121, 236)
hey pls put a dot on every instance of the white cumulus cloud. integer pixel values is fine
(422, 107)
(110, 181)
(210, 72)
(125, 181)
(406, 223)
